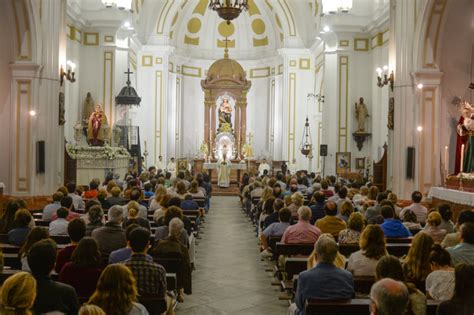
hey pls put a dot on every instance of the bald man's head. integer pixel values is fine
(388, 297)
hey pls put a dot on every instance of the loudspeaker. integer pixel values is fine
(40, 157)
(410, 163)
(323, 150)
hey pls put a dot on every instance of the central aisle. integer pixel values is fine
(229, 276)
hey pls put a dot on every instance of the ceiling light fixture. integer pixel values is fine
(336, 6)
(228, 9)
(119, 4)
(326, 28)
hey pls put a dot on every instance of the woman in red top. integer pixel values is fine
(83, 271)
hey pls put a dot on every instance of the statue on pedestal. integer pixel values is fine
(87, 108)
(361, 114)
(97, 127)
(225, 116)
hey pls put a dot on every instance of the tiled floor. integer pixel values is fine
(229, 276)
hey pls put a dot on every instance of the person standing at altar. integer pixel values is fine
(171, 167)
(160, 165)
(97, 128)
(462, 136)
(263, 166)
(223, 173)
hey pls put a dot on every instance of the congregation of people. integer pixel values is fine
(330, 214)
(121, 235)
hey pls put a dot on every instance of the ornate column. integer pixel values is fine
(243, 124)
(237, 127)
(212, 108)
(207, 108)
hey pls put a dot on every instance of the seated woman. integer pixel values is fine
(416, 264)
(18, 294)
(156, 201)
(17, 236)
(37, 234)
(462, 301)
(352, 233)
(162, 208)
(390, 267)
(433, 227)
(440, 282)
(346, 210)
(339, 262)
(163, 231)
(116, 292)
(172, 245)
(133, 218)
(195, 191)
(96, 219)
(372, 248)
(180, 190)
(83, 271)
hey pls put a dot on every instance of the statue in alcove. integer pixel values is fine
(225, 116)
(361, 114)
(88, 107)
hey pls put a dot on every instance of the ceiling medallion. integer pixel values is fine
(229, 9)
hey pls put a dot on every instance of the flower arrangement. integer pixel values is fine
(99, 153)
(225, 127)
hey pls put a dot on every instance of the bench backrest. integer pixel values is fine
(337, 307)
(294, 249)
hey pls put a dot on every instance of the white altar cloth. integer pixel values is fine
(233, 166)
(452, 195)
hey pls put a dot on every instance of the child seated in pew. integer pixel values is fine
(59, 226)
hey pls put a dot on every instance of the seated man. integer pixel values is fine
(111, 236)
(18, 235)
(151, 277)
(76, 230)
(51, 296)
(388, 297)
(276, 229)
(331, 223)
(59, 225)
(420, 211)
(115, 199)
(51, 208)
(67, 203)
(464, 251)
(123, 254)
(325, 281)
(76, 199)
(317, 208)
(392, 227)
(278, 204)
(453, 239)
(303, 231)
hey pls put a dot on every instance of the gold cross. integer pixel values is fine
(226, 50)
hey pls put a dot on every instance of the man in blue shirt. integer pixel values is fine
(464, 252)
(325, 280)
(392, 227)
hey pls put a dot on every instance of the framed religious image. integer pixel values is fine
(343, 162)
(360, 163)
(182, 165)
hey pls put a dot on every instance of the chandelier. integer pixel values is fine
(120, 4)
(306, 146)
(229, 9)
(335, 6)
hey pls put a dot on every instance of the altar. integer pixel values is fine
(236, 170)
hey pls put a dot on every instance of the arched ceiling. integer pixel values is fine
(197, 31)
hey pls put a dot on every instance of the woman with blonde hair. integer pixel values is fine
(155, 202)
(89, 309)
(416, 265)
(339, 262)
(394, 199)
(355, 226)
(346, 210)
(116, 292)
(372, 247)
(432, 227)
(18, 294)
(161, 211)
(297, 201)
(195, 191)
(133, 218)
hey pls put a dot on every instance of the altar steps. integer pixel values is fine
(233, 190)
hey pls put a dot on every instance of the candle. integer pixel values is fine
(145, 145)
(462, 158)
(446, 162)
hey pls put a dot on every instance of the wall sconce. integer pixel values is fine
(71, 67)
(318, 97)
(383, 78)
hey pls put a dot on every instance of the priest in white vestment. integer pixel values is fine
(293, 168)
(171, 167)
(160, 165)
(223, 170)
(262, 167)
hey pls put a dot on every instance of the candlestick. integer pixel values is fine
(462, 158)
(145, 145)
(446, 162)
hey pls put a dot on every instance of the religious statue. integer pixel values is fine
(391, 113)
(62, 110)
(225, 115)
(223, 175)
(97, 127)
(87, 108)
(361, 114)
(467, 129)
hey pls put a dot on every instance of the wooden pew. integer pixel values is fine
(398, 240)
(293, 249)
(397, 250)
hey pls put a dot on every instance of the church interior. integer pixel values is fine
(358, 102)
